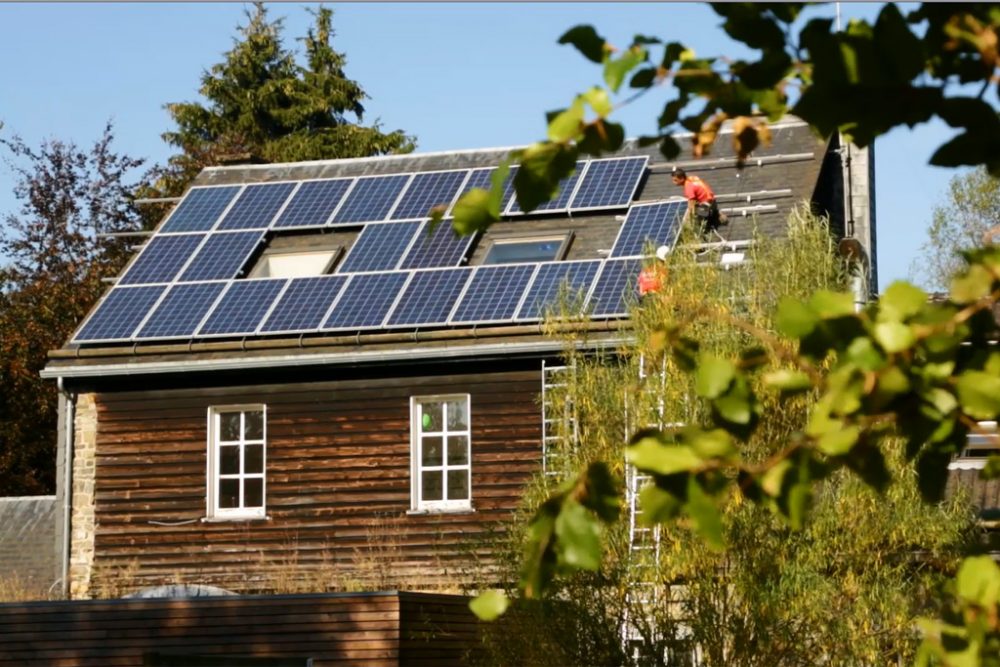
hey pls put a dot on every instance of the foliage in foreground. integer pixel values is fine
(880, 560)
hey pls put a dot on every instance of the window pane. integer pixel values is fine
(543, 250)
(229, 426)
(229, 460)
(431, 486)
(458, 485)
(229, 493)
(431, 452)
(253, 459)
(253, 427)
(430, 419)
(253, 492)
(458, 450)
(458, 415)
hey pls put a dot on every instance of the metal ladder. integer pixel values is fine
(560, 432)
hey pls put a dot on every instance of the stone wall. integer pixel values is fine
(81, 562)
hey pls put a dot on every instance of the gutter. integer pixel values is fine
(328, 359)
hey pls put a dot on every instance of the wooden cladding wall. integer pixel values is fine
(378, 630)
(338, 486)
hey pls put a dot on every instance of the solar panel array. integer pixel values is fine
(189, 280)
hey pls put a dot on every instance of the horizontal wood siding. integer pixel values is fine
(338, 485)
(340, 630)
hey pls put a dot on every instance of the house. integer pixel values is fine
(295, 375)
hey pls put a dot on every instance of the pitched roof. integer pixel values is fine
(760, 195)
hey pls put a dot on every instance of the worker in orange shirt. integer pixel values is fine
(701, 203)
(653, 275)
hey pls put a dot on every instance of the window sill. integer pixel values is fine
(443, 510)
(233, 519)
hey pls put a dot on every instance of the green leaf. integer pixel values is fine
(714, 444)
(599, 101)
(900, 301)
(979, 394)
(643, 78)
(974, 285)
(829, 304)
(587, 41)
(615, 69)
(714, 375)
(863, 353)
(473, 212)
(788, 381)
(736, 406)
(978, 581)
(651, 455)
(602, 496)
(838, 443)
(567, 124)
(579, 536)
(702, 510)
(894, 336)
(658, 505)
(797, 503)
(795, 319)
(489, 605)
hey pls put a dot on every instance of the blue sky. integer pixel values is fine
(454, 75)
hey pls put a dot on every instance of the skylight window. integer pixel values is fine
(515, 249)
(295, 263)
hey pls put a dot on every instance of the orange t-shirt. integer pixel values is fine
(698, 190)
(651, 279)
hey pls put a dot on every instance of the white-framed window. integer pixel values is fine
(511, 249)
(980, 445)
(237, 459)
(441, 455)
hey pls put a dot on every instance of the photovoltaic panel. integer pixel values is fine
(649, 224)
(494, 293)
(371, 199)
(304, 304)
(440, 248)
(242, 307)
(379, 247)
(181, 311)
(549, 282)
(256, 206)
(366, 300)
(313, 203)
(161, 259)
(200, 209)
(561, 202)
(609, 183)
(118, 315)
(429, 297)
(615, 288)
(222, 256)
(508, 190)
(426, 191)
(479, 178)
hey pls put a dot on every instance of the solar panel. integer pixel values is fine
(222, 256)
(161, 259)
(429, 297)
(121, 311)
(609, 183)
(242, 307)
(379, 247)
(371, 199)
(366, 300)
(256, 206)
(304, 304)
(200, 209)
(615, 288)
(181, 310)
(479, 178)
(427, 190)
(494, 293)
(440, 248)
(649, 224)
(313, 203)
(561, 202)
(547, 287)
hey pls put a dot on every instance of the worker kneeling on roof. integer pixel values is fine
(653, 276)
(701, 203)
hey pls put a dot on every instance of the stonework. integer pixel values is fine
(81, 563)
